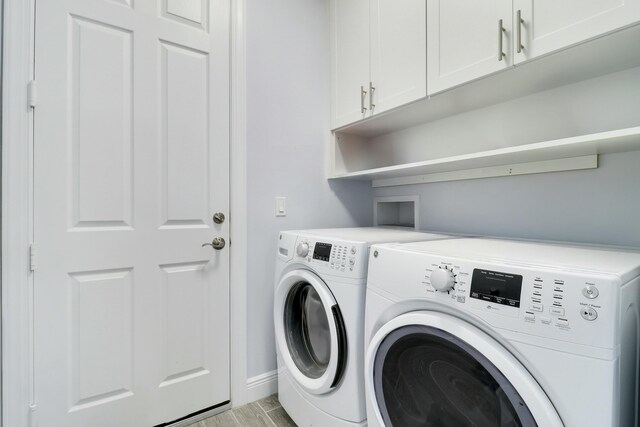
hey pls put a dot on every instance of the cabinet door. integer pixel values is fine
(463, 41)
(349, 60)
(550, 25)
(398, 52)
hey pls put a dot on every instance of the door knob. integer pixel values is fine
(217, 243)
(218, 217)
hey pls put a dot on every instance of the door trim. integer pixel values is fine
(238, 207)
(17, 219)
(17, 117)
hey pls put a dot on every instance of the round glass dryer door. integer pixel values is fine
(425, 372)
(310, 331)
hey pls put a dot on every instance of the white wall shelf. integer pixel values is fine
(579, 152)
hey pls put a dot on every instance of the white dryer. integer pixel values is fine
(319, 321)
(486, 332)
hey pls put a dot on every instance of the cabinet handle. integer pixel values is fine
(501, 32)
(363, 94)
(371, 91)
(519, 21)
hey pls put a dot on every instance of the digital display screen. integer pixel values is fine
(322, 251)
(496, 287)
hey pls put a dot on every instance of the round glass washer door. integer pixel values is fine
(431, 369)
(310, 332)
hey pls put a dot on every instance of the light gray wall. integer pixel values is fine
(288, 119)
(595, 206)
(599, 104)
(287, 127)
(599, 206)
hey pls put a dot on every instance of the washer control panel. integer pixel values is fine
(335, 256)
(559, 299)
(551, 303)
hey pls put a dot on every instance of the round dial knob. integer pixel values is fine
(302, 249)
(442, 279)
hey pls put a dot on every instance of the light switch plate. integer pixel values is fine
(281, 206)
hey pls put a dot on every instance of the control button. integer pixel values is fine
(353, 250)
(343, 263)
(589, 314)
(442, 279)
(536, 307)
(352, 261)
(303, 249)
(590, 292)
(545, 320)
(461, 298)
(562, 322)
(558, 311)
(529, 316)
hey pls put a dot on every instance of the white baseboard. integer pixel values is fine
(262, 385)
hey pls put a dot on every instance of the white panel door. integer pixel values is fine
(398, 52)
(552, 25)
(349, 61)
(463, 41)
(130, 162)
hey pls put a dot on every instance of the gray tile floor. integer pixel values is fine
(263, 413)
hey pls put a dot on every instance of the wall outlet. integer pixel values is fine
(281, 206)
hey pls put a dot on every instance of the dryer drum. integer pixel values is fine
(307, 330)
(424, 376)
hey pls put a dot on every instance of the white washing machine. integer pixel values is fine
(319, 321)
(485, 332)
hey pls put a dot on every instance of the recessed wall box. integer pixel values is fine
(397, 211)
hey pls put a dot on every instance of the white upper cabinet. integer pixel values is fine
(398, 53)
(378, 56)
(349, 60)
(550, 25)
(466, 40)
(386, 54)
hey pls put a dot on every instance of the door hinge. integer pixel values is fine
(32, 257)
(32, 94)
(32, 415)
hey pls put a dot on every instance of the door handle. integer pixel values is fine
(501, 32)
(363, 94)
(217, 243)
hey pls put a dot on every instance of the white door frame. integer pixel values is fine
(238, 206)
(17, 212)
